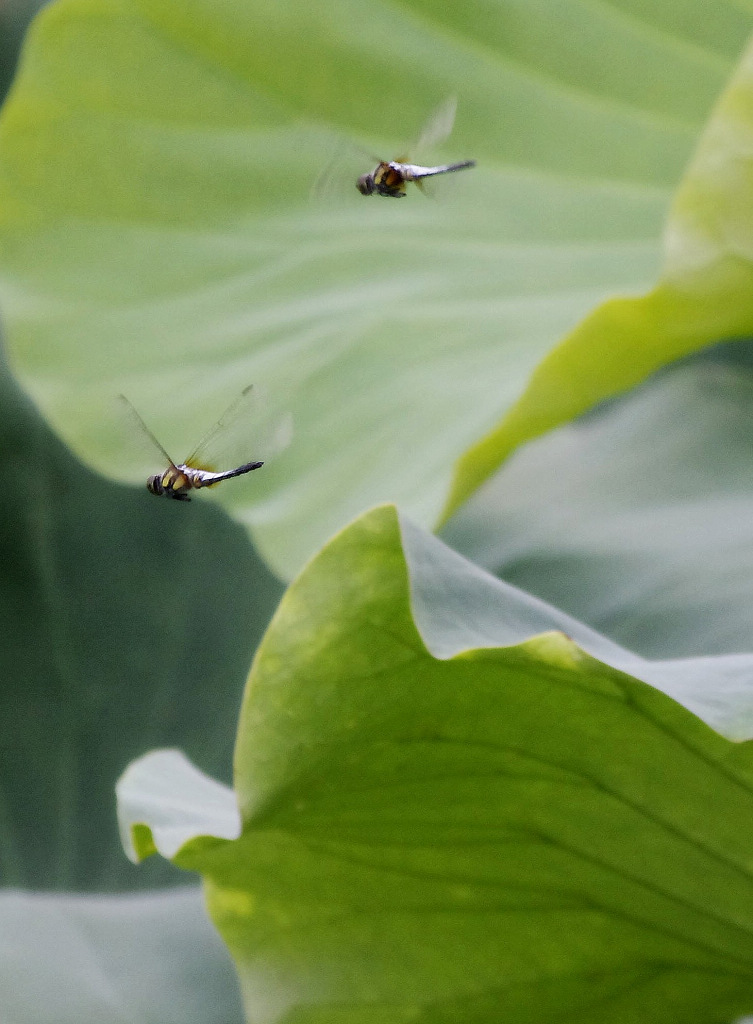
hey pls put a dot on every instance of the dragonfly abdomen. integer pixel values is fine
(204, 478)
(414, 172)
(248, 468)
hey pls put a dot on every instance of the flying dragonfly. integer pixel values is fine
(199, 469)
(389, 178)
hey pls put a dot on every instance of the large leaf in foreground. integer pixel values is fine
(449, 818)
(705, 294)
(157, 236)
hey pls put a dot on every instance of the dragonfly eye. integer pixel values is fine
(365, 184)
(154, 485)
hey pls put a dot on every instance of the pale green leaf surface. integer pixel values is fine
(68, 959)
(440, 831)
(157, 237)
(637, 520)
(704, 294)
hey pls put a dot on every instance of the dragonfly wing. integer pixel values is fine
(340, 174)
(142, 430)
(327, 183)
(245, 432)
(438, 126)
(210, 452)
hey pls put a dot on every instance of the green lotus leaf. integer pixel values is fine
(451, 811)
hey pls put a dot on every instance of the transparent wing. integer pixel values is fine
(143, 431)
(426, 188)
(339, 176)
(247, 431)
(438, 126)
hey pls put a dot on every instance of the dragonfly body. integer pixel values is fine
(390, 178)
(177, 481)
(199, 469)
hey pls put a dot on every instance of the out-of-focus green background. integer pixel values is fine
(15, 15)
(128, 624)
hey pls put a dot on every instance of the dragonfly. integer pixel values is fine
(198, 469)
(390, 178)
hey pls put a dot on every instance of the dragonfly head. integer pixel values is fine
(154, 485)
(365, 184)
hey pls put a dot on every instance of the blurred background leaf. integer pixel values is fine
(703, 294)
(127, 625)
(68, 959)
(15, 16)
(158, 237)
(636, 519)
